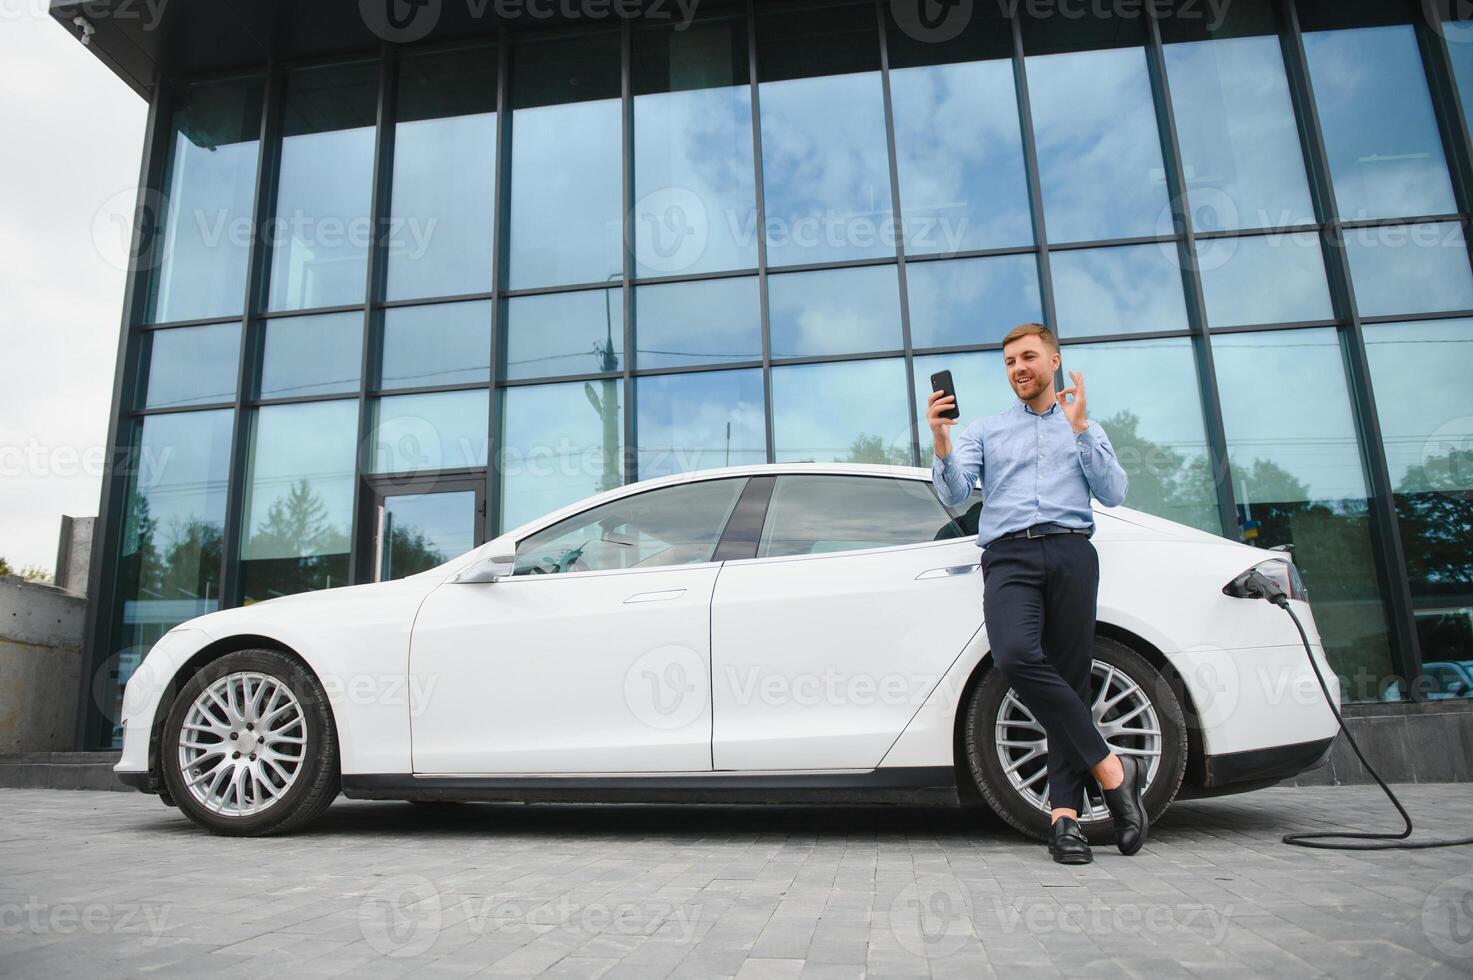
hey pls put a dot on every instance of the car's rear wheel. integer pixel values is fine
(250, 747)
(1133, 707)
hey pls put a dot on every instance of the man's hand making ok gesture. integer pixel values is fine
(1074, 411)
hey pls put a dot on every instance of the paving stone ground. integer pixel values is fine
(105, 884)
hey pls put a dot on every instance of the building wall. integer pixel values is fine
(40, 665)
(615, 253)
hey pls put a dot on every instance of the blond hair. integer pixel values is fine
(1033, 330)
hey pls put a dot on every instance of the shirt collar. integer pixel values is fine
(1023, 406)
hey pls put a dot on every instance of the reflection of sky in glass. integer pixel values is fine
(313, 441)
(1264, 279)
(1099, 155)
(566, 201)
(960, 156)
(1319, 449)
(834, 311)
(446, 522)
(312, 355)
(825, 169)
(193, 365)
(683, 421)
(210, 188)
(1434, 359)
(709, 321)
(1153, 382)
(1420, 268)
(821, 412)
(1127, 289)
(694, 182)
(564, 333)
(1460, 53)
(444, 206)
(971, 301)
(1380, 133)
(982, 389)
(557, 447)
(183, 465)
(1239, 140)
(440, 344)
(442, 430)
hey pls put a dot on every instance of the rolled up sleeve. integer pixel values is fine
(956, 473)
(1107, 479)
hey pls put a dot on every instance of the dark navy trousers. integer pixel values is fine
(1038, 600)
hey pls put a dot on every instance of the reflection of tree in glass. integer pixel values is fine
(297, 524)
(1163, 481)
(872, 449)
(180, 562)
(1434, 504)
(410, 552)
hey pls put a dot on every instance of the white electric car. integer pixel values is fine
(778, 633)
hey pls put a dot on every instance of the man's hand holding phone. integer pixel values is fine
(938, 406)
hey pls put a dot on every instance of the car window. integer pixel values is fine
(677, 525)
(818, 514)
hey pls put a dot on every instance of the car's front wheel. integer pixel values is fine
(1135, 710)
(250, 747)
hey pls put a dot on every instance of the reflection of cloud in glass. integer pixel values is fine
(1128, 289)
(1238, 136)
(320, 253)
(820, 411)
(834, 311)
(709, 321)
(558, 446)
(971, 301)
(960, 156)
(700, 141)
(683, 421)
(825, 169)
(1434, 357)
(1267, 279)
(1380, 132)
(1099, 154)
(564, 333)
(982, 389)
(1421, 268)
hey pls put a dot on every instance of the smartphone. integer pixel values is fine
(941, 381)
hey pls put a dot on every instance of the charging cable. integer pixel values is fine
(1259, 586)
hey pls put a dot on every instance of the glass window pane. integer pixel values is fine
(695, 185)
(560, 443)
(843, 412)
(982, 389)
(811, 515)
(191, 365)
(1264, 279)
(1128, 289)
(825, 163)
(1099, 155)
(211, 187)
(959, 150)
(169, 565)
(709, 321)
(1380, 133)
(444, 184)
(312, 355)
(422, 530)
(971, 301)
(1459, 36)
(441, 344)
(564, 333)
(834, 311)
(298, 498)
(1303, 485)
(692, 422)
(321, 229)
(566, 176)
(1156, 429)
(441, 430)
(678, 525)
(1429, 449)
(1239, 139)
(1419, 268)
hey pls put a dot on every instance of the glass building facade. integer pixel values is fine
(390, 304)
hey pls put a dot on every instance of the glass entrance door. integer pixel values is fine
(413, 532)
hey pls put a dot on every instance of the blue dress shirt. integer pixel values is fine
(1033, 469)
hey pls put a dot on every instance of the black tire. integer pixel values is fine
(317, 779)
(1021, 813)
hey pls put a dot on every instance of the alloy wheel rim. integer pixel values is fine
(1123, 714)
(242, 744)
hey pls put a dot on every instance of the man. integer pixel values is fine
(1039, 462)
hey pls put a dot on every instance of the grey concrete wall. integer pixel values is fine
(40, 665)
(74, 553)
(1427, 742)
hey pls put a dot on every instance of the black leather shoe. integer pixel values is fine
(1067, 844)
(1128, 807)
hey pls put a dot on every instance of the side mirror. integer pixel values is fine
(487, 570)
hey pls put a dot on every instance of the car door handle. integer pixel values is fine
(948, 571)
(655, 596)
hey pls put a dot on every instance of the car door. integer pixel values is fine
(861, 593)
(593, 656)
